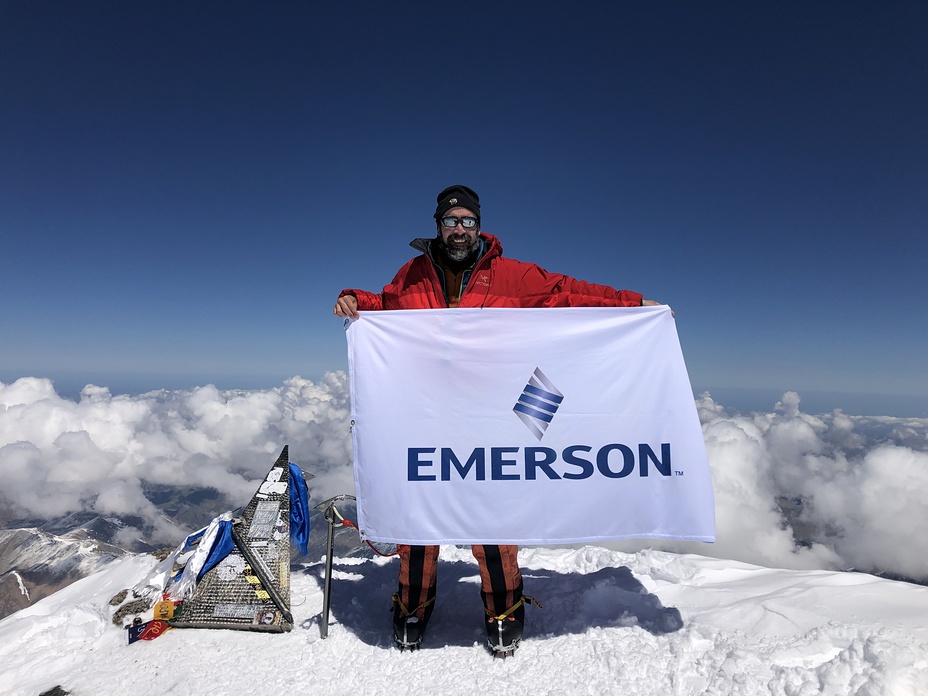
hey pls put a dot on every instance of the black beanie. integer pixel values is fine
(457, 196)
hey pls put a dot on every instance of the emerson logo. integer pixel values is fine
(538, 403)
(536, 407)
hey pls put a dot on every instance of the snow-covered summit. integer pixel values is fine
(612, 623)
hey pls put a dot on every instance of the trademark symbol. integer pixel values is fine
(678, 473)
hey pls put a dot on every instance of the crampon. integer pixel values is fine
(504, 632)
(408, 629)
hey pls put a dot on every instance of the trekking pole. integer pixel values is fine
(329, 508)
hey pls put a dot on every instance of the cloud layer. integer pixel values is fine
(104, 452)
(792, 489)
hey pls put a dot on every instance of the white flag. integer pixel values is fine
(525, 426)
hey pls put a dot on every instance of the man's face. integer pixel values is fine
(459, 241)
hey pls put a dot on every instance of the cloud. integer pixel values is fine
(792, 489)
(103, 452)
(830, 491)
(872, 510)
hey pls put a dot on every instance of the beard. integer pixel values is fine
(456, 252)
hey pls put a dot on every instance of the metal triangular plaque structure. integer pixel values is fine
(250, 588)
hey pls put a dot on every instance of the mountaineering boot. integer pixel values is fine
(504, 635)
(409, 629)
(504, 631)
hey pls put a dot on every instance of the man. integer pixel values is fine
(463, 266)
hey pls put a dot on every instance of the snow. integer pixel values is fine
(22, 587)
(650, 622)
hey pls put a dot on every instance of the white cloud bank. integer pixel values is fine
(102, 452)
(862, 481)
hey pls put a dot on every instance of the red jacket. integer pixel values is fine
(494, 282)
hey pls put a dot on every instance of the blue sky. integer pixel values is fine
(185, 187)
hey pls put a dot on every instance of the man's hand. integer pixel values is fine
(346, 306)
(653, 303)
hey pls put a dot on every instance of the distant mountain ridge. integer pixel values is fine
(35, 563)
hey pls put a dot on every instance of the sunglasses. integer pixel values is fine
(452, 222)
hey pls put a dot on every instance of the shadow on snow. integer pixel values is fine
(612, 597)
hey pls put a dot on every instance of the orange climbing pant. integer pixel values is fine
(500, 577)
